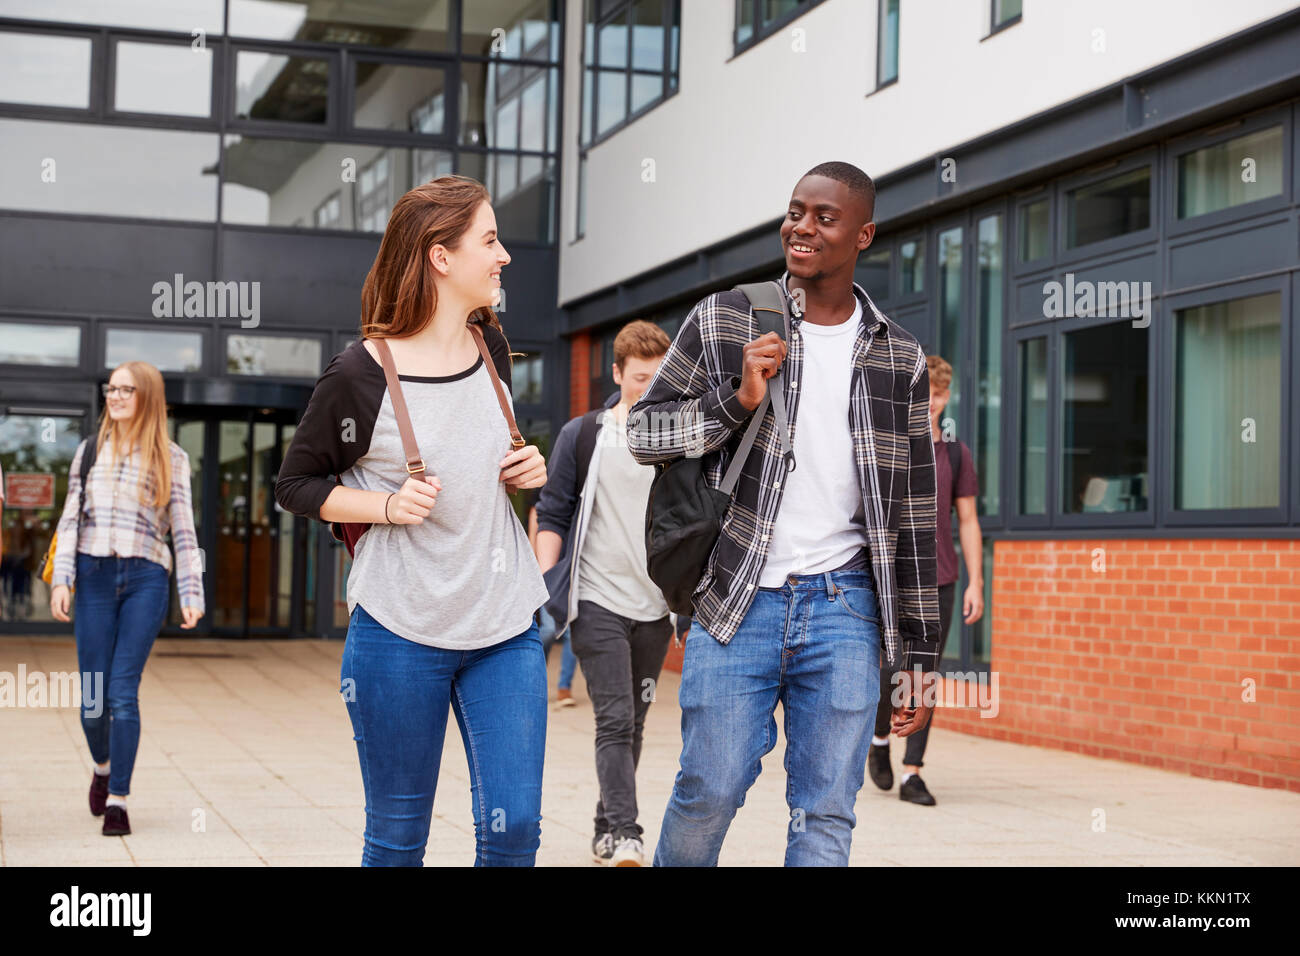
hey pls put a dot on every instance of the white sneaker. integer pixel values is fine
(628, 851)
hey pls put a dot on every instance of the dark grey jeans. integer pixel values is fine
(915, 752)
(621, 659)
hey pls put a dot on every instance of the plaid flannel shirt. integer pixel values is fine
(691, 409)
(117, 523)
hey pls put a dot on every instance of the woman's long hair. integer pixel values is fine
(399, 297)
(147, 430)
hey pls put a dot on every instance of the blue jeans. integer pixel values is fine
(119, 608)
(568, 660)
(814, 645)
(398, 693)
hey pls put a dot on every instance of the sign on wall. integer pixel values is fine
(29, 490)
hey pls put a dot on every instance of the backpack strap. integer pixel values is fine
(516, 439)
(87, 462)
(771, 309)
(414, 463)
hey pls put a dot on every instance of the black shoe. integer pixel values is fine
(882, 774)
(116, 822)
(98, 793)
(913, 791)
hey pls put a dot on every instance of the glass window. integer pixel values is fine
(286, 356)
(887, 43)
(1005, 11)
(30, 343)
(950, 311)
(524, 29)
(35, 454)
(407, 98)
(162, 78)
(280, 88)
(1104, 462)
(744, 21)
(756, 19)
(1228, 174)
(625, 60)
(1227, 412)
(1033, 426)
(1112, 207)
(166, 351)
(108, 170)
(44, 70)
(911, 267)
(523, 192)
(505, 105)
(526, 380)
(1035, 230)
(407, 26)
(872, 273)
(988, 409)
(279, 182)
(183, 16)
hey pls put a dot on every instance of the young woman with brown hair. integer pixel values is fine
(116, 556)
(444, 585)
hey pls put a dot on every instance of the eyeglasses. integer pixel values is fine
(126, 390)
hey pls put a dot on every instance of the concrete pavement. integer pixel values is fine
(246, 759)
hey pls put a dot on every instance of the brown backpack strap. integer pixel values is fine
(414, 463)
(516, 439)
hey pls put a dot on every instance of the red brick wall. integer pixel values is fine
(1145, 661)
(579, 375)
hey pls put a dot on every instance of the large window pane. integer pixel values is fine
(525, 29)
(108, 170)
(1227, 407)
(283, 182)
(43, 70)
(1104, 461)
(911, 267)
(1033, 426)
(526, 380)
(24, 343)
(523, 192)
(280, 88)
(495, 98)
(612, 99)
(1229, 174)
(1035, 230)
(35, 452)
(182, 16)
(872, 273)
(950, 312)
(1112, 207)
(988, 410)
(406, 98)
(613, 38)
(163, 78)
(287, 356)
(887, 43)
(648, 35)
(407, 26)
(167, 351)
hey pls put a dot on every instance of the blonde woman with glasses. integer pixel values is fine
(112, 548)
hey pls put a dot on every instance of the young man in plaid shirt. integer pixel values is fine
(820, 569)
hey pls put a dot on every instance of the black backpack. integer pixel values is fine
(683, 516)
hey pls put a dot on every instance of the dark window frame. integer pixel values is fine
(95, 94)
(262, 332)
(1215, 136)
(763, 30)
(1016, 519)
(1021, 203)
(1067, 254)
(101, 368)
(1286, 511)
(923, 240)
(110, 83)
(330, 128)
(83, 364)
(880, 19)
(670, 74)
(407, 137)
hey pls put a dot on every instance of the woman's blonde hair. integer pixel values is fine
(147, 430)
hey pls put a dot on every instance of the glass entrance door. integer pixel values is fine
(259, 572)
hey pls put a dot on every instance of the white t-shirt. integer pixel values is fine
(821, 523)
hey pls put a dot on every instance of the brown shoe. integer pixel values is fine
(564, 698)
(98, 793)
(116, 822)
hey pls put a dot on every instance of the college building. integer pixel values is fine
(1090, 210)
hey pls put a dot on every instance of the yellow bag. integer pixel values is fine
(47, 563)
